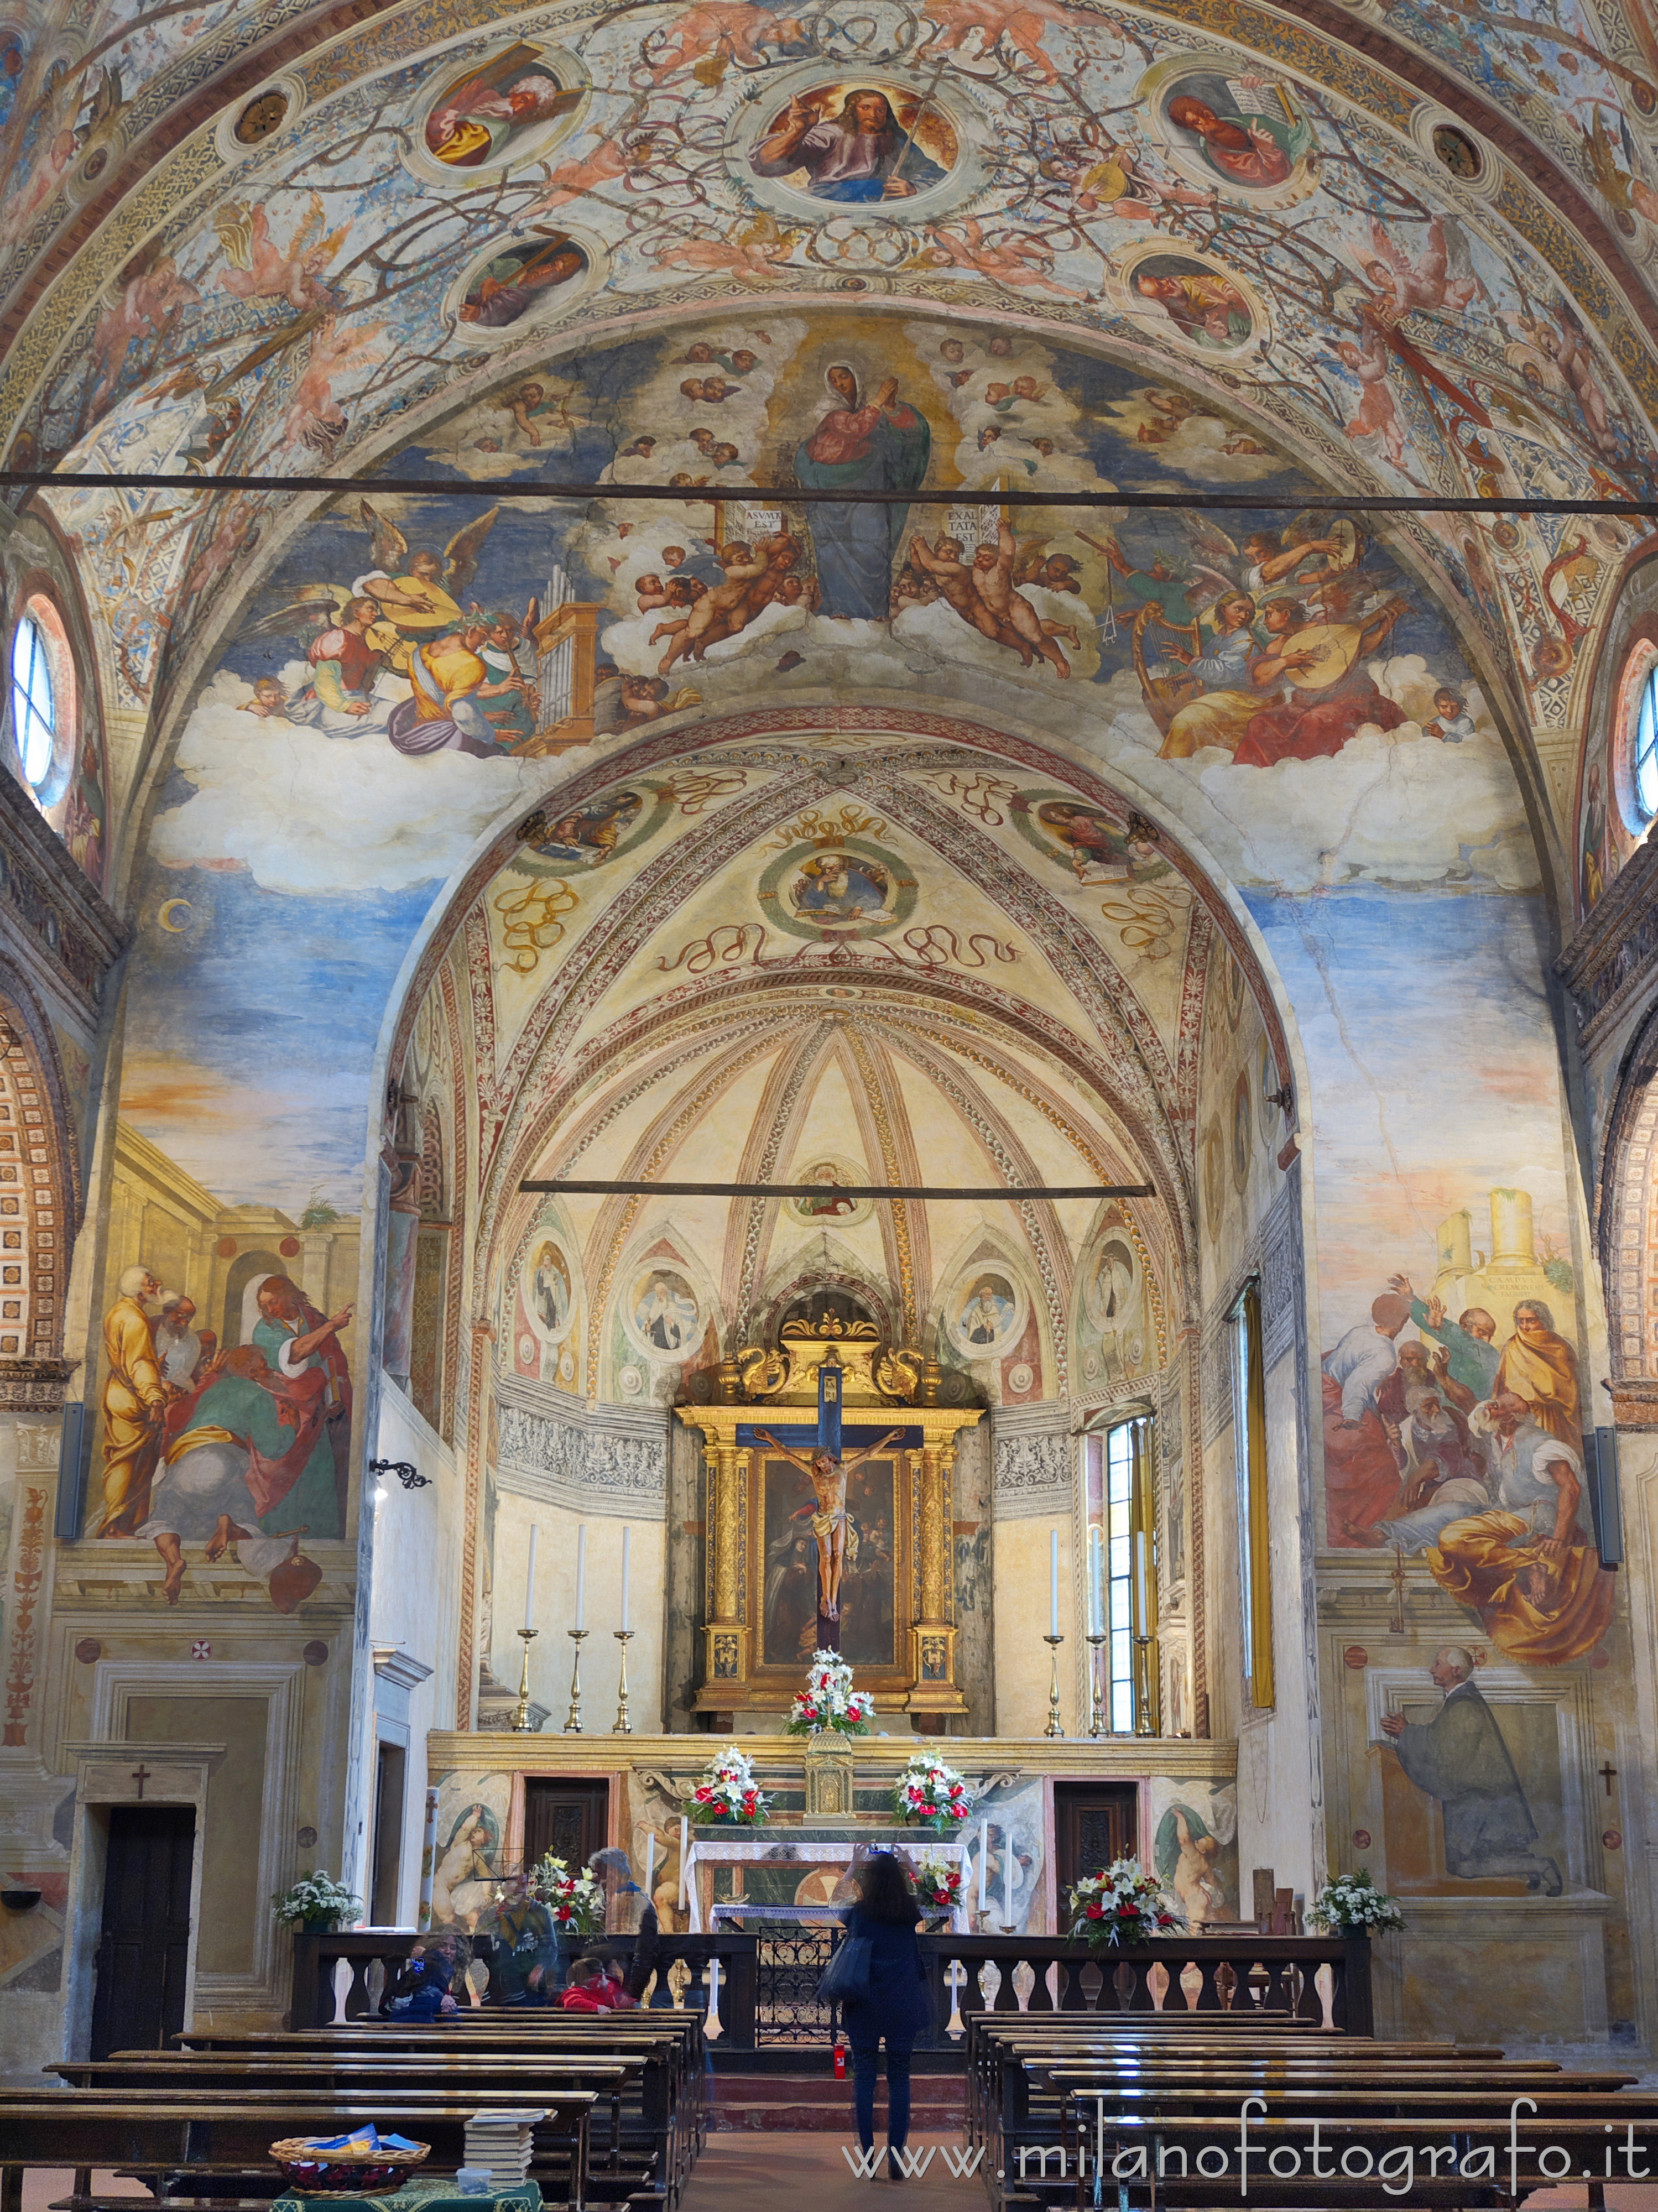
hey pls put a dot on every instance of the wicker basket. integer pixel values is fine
(344, 2172)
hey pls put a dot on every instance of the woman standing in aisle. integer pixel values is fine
(898, 2007)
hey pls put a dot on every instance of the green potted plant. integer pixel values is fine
(316, 1904)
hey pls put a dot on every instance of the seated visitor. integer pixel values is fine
(591, 1988)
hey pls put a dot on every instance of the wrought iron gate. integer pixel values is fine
(790, 1964)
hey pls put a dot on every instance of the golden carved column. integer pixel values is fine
(726, 1634)
(932, 1637)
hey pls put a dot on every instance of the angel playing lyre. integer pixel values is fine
(418, 594)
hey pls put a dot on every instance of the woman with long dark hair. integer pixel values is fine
(898, 2006)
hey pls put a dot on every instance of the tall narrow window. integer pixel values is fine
(34, 705)
(1643, 749)
(1122, 1574)
(1250, 1452)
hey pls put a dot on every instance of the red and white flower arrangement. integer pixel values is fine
(576, 1901)
(1123, 1904)
(829, 1701)
(938, 1886)
(728, 1792)
(928, 1791)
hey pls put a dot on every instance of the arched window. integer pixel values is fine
(33, 701)
(42, 687)
(1643, 748)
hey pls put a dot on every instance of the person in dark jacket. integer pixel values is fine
(898, 2007)
(615, 1871)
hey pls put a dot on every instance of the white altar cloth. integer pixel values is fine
(706, 1854)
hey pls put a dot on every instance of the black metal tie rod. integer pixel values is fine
(601, 1188)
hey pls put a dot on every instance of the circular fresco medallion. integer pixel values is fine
(831, 148)
(663, 1315)
(1191, 298)
(486, 117)
(522, 283)
(1214, 1178)
(847, 890)
(1111, 1287)
(831, 1174)
(547, 1291)
(985, 1314)
(1242, 1126)
(560, 840)
(1246, 135)
(1084, 839)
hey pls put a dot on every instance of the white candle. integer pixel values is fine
(581, 1573)
(984, 1863)
(1007, 1879)
(530, 1583)
(684, 1849)
(1095, 1625)
(627, 1543)
(650, 1863)
(1053, 1580)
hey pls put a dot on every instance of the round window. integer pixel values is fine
(33, 701)
(1643, 749)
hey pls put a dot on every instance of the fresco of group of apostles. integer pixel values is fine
(1200, 204)
(1266, 642)
(1463, 1446)
(242, 1448)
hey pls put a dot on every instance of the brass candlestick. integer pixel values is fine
(572, 1719)
(521, 1717)
(622, 1725)
(1096, 1703)
(1053, 1727)
(1144, 1719)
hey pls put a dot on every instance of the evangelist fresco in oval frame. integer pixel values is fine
(831, 1169)
(826, 890)
(1079, 836)
(485, 118)
(522, 283)
(574, 841)
(1246, 135)
(969, 1308)
(948, 134)
(1203, 304)
(547, 1285)
(662, 1314)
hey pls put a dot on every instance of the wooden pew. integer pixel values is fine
(208, 2133)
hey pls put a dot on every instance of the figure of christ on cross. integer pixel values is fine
(827, 1476)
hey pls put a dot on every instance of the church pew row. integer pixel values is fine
(671, 2042)
(204, 2134)
(641, 2153)
(1067, 2119)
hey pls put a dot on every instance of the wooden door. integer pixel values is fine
(143, 1946)
(566, 1817)
(1094, 1822)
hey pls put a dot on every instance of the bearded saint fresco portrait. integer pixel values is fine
(845, 145)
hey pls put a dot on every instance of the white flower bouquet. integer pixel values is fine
(937, 1886)
(929, 1793)
(576, 1901)
(829, 1701)
(316, 1903)
(1352, 1905)
(728, 1792)
(1122, 1905)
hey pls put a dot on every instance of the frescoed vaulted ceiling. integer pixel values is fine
(1273, 229)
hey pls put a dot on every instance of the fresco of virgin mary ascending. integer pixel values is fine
(883, 447)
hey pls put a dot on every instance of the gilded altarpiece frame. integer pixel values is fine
(758, 1529)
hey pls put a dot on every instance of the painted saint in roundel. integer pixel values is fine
(1248, 131)
(587, 836)
(505, 111)
(547, 1290)
(830, 1199)
(1204, 306)
(665, 1313)
(840, 888)
(521, 281)
(986, 1315)
(855, 143)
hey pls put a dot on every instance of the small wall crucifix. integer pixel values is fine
(141, 1775)
(1608, 1774)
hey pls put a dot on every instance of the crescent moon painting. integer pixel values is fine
(167, 908)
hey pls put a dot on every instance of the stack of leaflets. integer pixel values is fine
(500, 2142)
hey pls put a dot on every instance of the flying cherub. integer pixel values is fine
(314, 416)
(262, 269)
(625, 152)
(1443, 276)
(755, 254)
(1019, 259)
